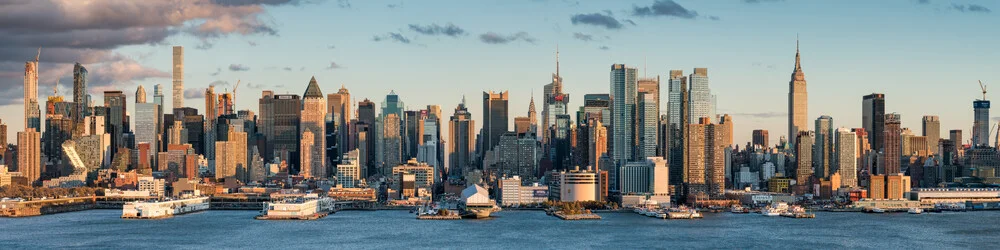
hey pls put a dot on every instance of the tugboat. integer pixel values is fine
(737, 209)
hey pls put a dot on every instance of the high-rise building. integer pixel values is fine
(804, 158)
(549, 93)
(287, 117)
(981, 123)
(178, 77)
(647, 125)
(598, 106)
(892, 142)
(158, 100)
(117, 118)
(701, 101)
(461, 139)
(29, 155)
(349, 170)
(313, 157)
(678, 120)
(392, 152)
(495, 118)
(210, 117)
(931, 126)
(798, 98)
(761, 138)
(725, 131)
(847, 157)
(366, 121)
(623, 102)
(647, 177)
(872, 119)
(231, 155)
(823, 149)
(598, 143)
(146, 123)
(79, 93)
(32, 115)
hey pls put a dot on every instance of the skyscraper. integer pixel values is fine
(873, 119)
(340, 106)
(29, 155)
(706, 160)
(146, 124)
(847, 157)
(598, 143)
(210, 117)
(893, 144)
(702, 102)
(598, 106)
(495, 118)
(932, 130)
(461, 136)
(32, 115)
(798, 98)
(623, 101)
(79, 93)
(231, 155)
(178, 77)
(366, 117)
(549, 93)
(117, 118)
(981, 123)
(532, 116)
(647, 121)
(678, 120)
(761, 138)
(313, 152)
(803, 155)
(823, 149)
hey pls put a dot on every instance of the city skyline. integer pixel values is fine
(750, 88)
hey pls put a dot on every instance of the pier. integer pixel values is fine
(42, 207)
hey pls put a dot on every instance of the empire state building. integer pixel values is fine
(798, 99)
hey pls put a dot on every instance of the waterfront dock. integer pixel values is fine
(563, 216)
(308, 207)
(454, 216)
(43, 207)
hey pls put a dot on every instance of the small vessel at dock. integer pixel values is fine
(915, 210)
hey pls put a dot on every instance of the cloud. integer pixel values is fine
(763, 115)
(238, 67)
(923, 1)
(435, 29)
(971, 8)
(583, 37)
(217, 72)
(629, 21)
(344, 4)
(604, 48)
(288, 68)
(334, 65)
(254, 86)
(597, 19)
(252, 43)
(494, 38)
(194, 93)
(331, 47)
(392, 36)
(664, 8)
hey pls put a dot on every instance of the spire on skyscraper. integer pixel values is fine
(557, 60)
(798, 65)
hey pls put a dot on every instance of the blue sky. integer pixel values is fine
(926, 57)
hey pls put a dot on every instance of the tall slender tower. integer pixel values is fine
(532, 116)
(461, 138)
(981, 124)
(873, 119)
(893, 144)
(495, 118)
(32, 116)
(178, 95)
(798, 99)
(623, 102)
(931, 125)
(79, 93)
(549, 93)
(823, 148)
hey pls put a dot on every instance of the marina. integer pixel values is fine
(163, 209)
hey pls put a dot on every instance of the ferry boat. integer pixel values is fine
(797, 212)
(737, 209)
(915, 210)
(163, 209)
(878, 210)
(309, 207)
(683, 213)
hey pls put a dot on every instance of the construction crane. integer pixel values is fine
(234, 92)
(983, 86)
(38, 55)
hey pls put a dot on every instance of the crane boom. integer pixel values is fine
(39, 54)
(983, 86)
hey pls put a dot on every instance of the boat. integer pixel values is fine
(797, 212)
(163, 209)
(309, 207)
(476, 204)
(878, 210)
(775, 209)
(915, 210)
(737, 209)
(683, 213)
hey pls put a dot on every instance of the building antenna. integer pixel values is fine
(644, 73)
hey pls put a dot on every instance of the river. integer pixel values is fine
(103, 229)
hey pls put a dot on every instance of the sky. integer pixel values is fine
(924, 55)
